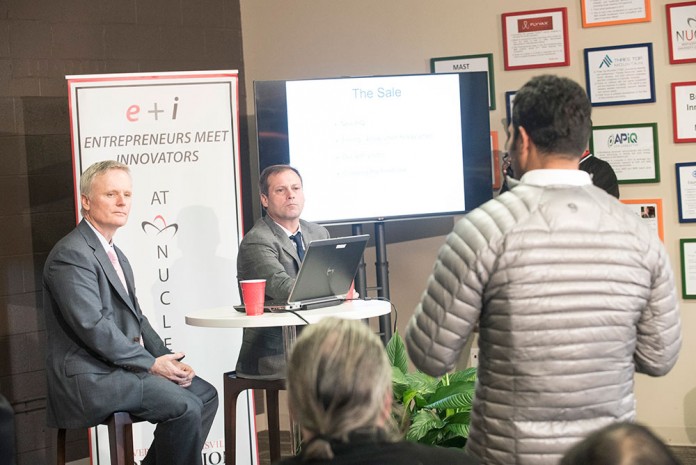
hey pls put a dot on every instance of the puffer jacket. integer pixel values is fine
(572, 295)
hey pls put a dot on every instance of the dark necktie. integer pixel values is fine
(297, 238)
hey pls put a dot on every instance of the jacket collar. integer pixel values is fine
(100, 254)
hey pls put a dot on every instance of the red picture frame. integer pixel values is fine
(536, 39)
(678, 25)
(680, 134)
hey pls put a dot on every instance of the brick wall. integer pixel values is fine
(42, 41)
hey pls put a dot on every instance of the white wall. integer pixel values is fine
(325, 38)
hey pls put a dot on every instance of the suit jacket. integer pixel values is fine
(266, 252)
(94, 358)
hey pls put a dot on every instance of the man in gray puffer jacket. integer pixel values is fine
(571, 292)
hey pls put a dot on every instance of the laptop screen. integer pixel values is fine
(328, 269)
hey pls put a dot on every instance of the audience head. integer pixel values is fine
(339, 382)
(620, 444)
(555, 113)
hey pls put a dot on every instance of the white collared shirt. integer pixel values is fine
(106, 244)
(554, 177)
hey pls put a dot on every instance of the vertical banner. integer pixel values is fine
(178, 133)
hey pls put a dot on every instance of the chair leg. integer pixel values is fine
(232, 387)
(120, 438)
(230, 400)
(60, 447)
(273, 409)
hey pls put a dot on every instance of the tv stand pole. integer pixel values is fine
(382, 270)
(361, 275)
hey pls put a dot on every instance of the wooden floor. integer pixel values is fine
(687, 455)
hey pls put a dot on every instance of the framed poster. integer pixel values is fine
(536, 39)
(495, 160)
(604, 13)
(650, 211)
(466, 64)
(687, 248)
(681, 24)
(630, 149)
(684, 111)
(686, 191)
(621, 74)
(509, 99)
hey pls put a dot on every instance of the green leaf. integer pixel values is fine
(423, 422)
(437, 409)
(454, 396)
(458, 420)
(396, 351)
(400, 383)
(467, 376)
(424, 384)
(461, 430)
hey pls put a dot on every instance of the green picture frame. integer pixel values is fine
(632, 150)
(467, 64)
(688, 267)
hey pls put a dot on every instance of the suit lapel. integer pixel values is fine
(107, 266)
(285, 242)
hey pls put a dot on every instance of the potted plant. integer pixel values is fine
(430, 410)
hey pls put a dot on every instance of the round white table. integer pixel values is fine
(228, 317)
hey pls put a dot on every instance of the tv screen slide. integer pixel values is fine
(380, 147)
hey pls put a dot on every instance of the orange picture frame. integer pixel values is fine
(495, 161)
(638, 11)
(650, 210)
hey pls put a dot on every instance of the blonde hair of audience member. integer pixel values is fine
(339, 381)
(620, 444)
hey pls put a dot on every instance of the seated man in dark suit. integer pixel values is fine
(273, 250)
(102, 355)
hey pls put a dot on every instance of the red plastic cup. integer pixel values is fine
(253, 294)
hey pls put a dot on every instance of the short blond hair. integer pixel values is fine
(94, 170)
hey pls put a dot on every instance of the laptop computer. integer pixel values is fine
(325, 275)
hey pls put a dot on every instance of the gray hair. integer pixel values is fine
(95, 170)
(338, 379)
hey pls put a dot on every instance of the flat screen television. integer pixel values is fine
(380, 148)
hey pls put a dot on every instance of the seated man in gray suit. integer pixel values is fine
(102, 355)
(270, 251)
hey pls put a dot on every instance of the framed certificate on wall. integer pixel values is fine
(681, 24)
(684, 111)
(620, 74)
(687, 248)
(650, 212)
(536, 39)
(610, 13)
(467, 64)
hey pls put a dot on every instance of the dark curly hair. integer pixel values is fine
(556, 114)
